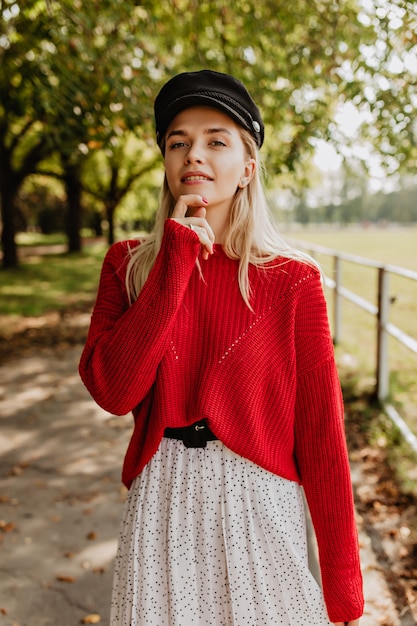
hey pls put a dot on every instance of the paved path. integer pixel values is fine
(61, 500)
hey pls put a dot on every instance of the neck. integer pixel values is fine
(218, 218)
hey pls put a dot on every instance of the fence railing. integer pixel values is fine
(383, 327)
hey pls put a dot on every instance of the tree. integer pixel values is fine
(76, 75)
(65, 85)
(112, 173)
(303, 61)
(22, 144)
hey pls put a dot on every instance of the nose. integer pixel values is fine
(194, 155)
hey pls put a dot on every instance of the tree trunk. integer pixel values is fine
(110, 210)
(8, 233)
(74, 212)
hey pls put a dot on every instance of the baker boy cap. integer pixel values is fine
(207, 88)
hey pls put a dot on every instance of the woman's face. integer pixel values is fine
(205, 155)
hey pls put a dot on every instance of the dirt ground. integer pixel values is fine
(61, 496)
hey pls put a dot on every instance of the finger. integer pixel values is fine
(205, 240)
(187, 201)
(200, 212)
(200, 226)
(201, 223)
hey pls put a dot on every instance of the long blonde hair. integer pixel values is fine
(252, 237)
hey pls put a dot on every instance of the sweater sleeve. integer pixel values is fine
(126, 344)
(322, 458)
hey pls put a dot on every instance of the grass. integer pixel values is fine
(393, 245)
(51, 282)
(390, 246)
(356, 352)
(37, 239)
(59, 281)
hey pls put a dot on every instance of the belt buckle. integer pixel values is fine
(194, 438)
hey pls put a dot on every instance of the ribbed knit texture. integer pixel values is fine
(266, 381)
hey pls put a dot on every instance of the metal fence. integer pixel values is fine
(383, 327)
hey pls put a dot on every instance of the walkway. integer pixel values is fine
(61, 499)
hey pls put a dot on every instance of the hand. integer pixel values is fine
(194, 205)
(354, 622)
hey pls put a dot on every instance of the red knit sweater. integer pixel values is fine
(190, 348)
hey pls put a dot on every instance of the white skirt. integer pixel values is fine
(209, 538)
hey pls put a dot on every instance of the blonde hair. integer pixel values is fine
(252, 237)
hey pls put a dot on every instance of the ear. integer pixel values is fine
(248, 173)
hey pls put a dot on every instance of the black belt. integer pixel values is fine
(194, 436)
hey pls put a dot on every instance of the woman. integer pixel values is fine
(215, 334)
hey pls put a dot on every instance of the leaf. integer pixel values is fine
(69, 555)
(93, 618)
(66, 579)
(7, 527)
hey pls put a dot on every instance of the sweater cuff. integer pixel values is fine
(173, 229)
(172, 268)
(343, 594)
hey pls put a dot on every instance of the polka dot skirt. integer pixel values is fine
(209, 538)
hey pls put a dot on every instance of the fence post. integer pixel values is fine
(337, 300)
(382, 370)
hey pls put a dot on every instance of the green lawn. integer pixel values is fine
(393, 245)
(357, 349)
(51, 282)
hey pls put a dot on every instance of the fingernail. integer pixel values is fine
(204, 200)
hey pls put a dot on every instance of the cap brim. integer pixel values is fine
(190, 100)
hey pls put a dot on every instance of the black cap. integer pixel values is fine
(207, 88)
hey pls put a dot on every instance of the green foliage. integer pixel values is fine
(78, 77)
(66, 70)
(41, 205)
(89, 71)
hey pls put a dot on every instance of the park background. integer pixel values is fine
(79, 169)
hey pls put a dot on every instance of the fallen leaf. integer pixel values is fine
(16, 471)
(92, 535)
(3, 611)
(7, 527)
(93, 618)
(69, 555)
(66, 579)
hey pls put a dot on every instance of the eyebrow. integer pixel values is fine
(208, 131)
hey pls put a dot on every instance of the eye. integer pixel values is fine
(176, 145)
(217, 142)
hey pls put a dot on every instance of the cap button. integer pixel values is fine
(256, 126)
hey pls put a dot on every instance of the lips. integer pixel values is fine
(195, 177)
